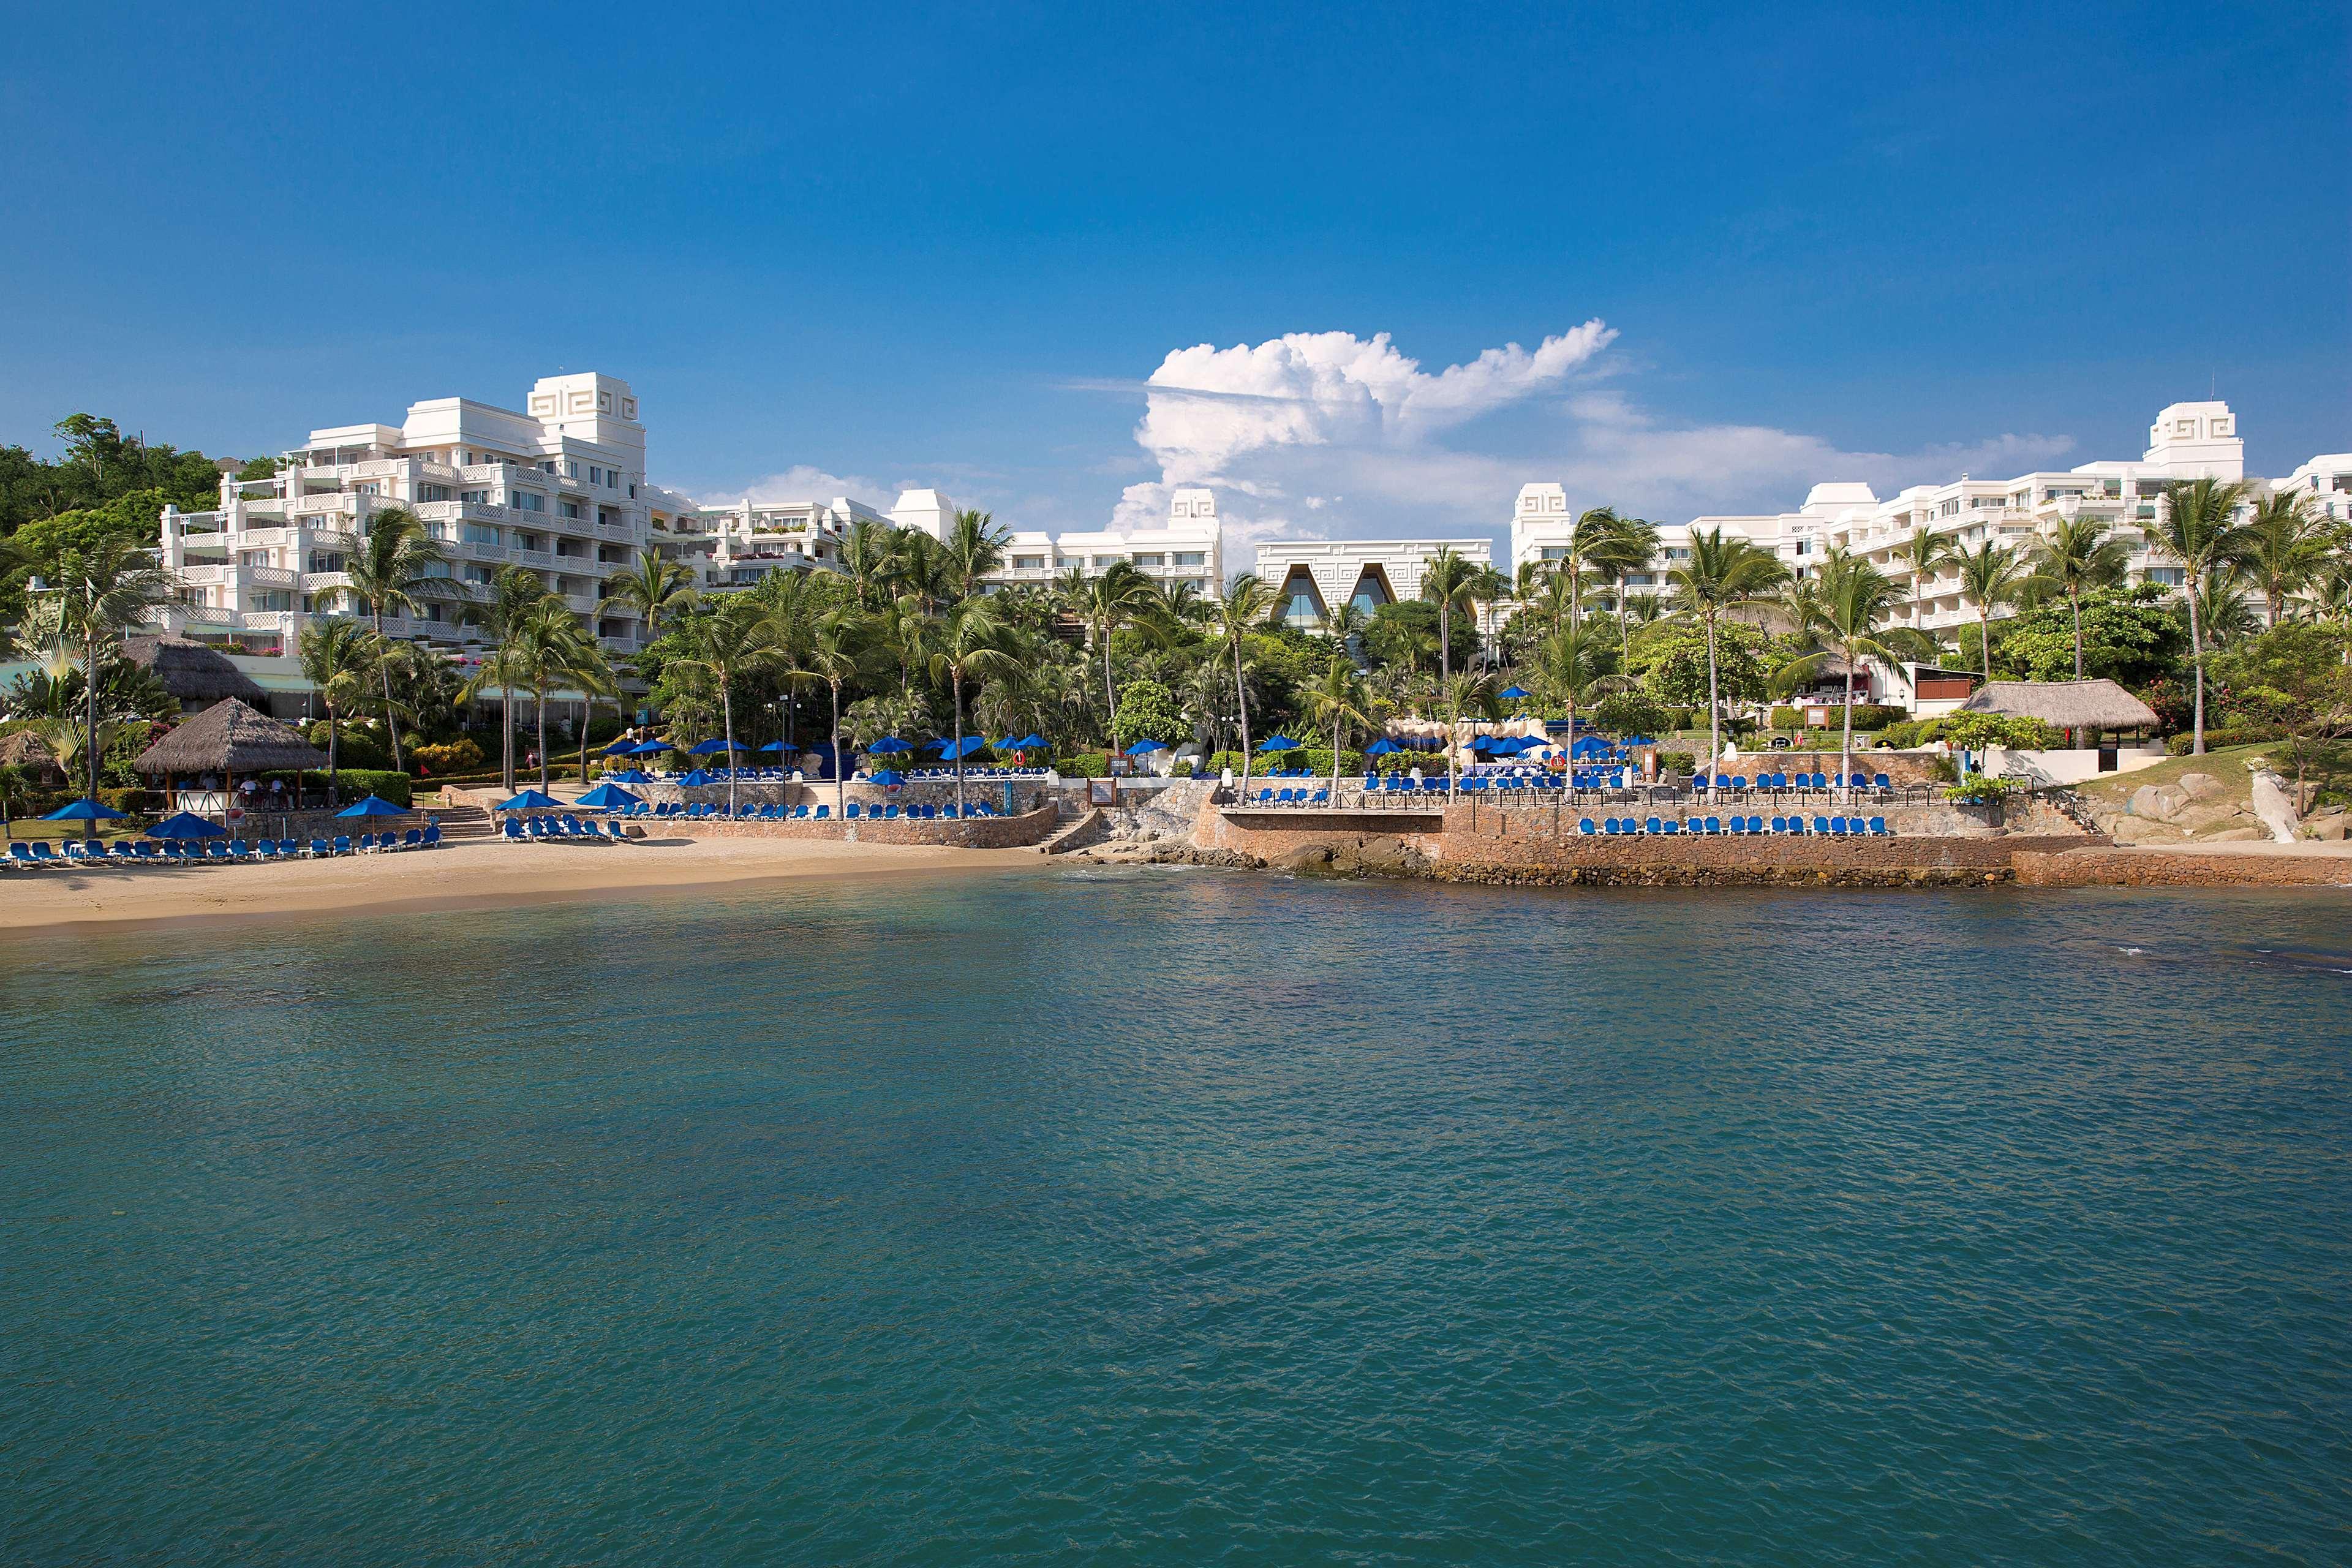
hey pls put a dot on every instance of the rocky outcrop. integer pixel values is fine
(2274, 803)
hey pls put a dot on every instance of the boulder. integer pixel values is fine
(2159, 802)
(2201, 786)
(2237, 835)
(2273, 802)
(2329, 825)
(2144, 830)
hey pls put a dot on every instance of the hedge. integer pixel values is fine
(1084, 765)
(1874, 716)
(2243, 735)
(1787, 719)
(1314, 760)
(355, 783)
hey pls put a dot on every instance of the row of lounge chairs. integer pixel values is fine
(565, 828)
(1705, 827)
(1272, 797)
(699, 811)
(978, 773)
(214, 851)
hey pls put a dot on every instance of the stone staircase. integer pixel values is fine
(463, 821)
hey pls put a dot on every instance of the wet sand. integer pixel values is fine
(473, 875)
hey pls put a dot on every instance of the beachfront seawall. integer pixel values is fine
(2182, 868)
(975, 833)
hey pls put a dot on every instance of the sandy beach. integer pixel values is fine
(480, 874)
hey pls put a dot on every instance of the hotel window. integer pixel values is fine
(570, 470)
(567, 508)
(475, 498)
(480, 533)
(1150, 561)
(524, 501)
(1028, 563)
(1192, 558)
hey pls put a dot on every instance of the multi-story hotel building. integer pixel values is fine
(2188, 441)
(1189, 551)
(558, 489)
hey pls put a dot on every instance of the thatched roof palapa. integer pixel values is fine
(2065, 704)
(26, 750)
(194, 673)
(231, 738)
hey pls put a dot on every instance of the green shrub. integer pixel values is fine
(354, 747)
(1677, 762)
(1084, 765)
(458, 756)
(1980, 791)
(1975, 732)
(1633, 713)
(1875, 716)
(1787, 719)
(2250, 735)
(355, 783)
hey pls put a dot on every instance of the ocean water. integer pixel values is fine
(1179, 1218)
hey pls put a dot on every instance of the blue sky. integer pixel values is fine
(954, 246)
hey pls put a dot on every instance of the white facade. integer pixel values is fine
(559, 491)
(2186, 441)
(1311, 576)
(2328, 479)
(1189, 551)
(737, 545)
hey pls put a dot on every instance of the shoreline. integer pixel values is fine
(475, 875)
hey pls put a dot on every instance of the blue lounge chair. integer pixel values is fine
(824, 812)
(342, 845)
(511, 830)
(412, 839)
(1715, 825)
(851, 811)
(215, 850)
(1584, 826)
(1820, 824)
(321, 850)
(1654, 825)
(1878, 828)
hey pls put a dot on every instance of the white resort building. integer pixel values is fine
(2188, 441)
(1311, 576)
(559, 491)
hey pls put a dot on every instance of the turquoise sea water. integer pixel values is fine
(1171, 1218)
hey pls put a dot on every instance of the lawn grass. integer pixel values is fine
(2226, 764)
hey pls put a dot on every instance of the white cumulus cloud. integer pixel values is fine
(1284, 429)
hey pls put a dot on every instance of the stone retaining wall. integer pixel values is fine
(2105, 868)
(977, 833)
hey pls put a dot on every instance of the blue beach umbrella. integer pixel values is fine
(773, 746)
(1382, 747)
(529, 800)
(1007, 744)
(1515, 694)
(889, 743)
(83, 810)
(188, 824)
(629, 776)
(698, 777)
(1277, 743)
(889, 778)
(373, 805)
(1029, 741)
(606, 797)
(1639, 741)
(619, 748)
(712, 747)
(1144, 748)
(650, 748)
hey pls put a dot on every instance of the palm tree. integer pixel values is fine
(2286, 548)
(501, 615)
(1856, 599)
(658, 589)
(1588, 540)
(2076, 555)
(1488, 588)
(337, 656)
(1990, 576)
(868, 553)
(1719, 574)
(1925, 553)
(736, 639)
(1632, 547)
(975, 547)
(588, 668)
(1573, 666)
(837, 643)
(1120, 596)
(969, 646)
(2223, 609)
(2196, 524)
(100, 594)
(1450, 581)
(1248, 600)
(395, 557)
(1466, 692)
(1344, 623)
(1341, 699)
(547, 647)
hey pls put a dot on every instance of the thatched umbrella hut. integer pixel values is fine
(195, 674)
(26, 749)
(2076, 705)
(229, 738)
